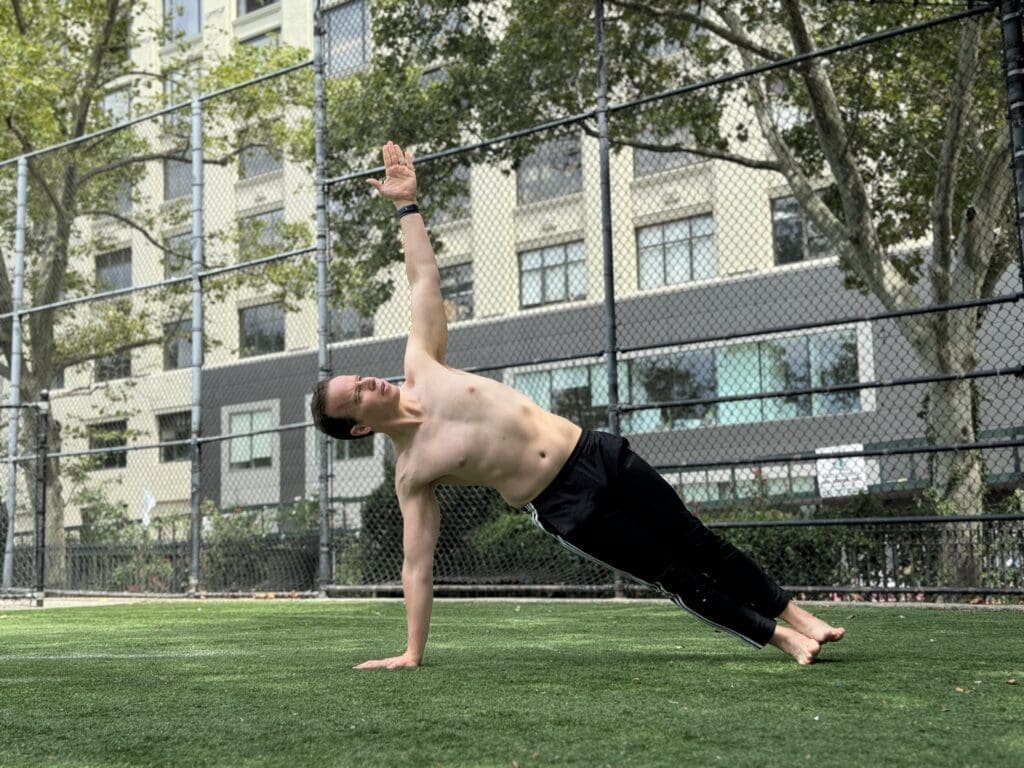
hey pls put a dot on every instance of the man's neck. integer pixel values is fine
(402, 428)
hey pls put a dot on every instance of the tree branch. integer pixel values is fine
(734, 36)
(710, 154)
(982, 225)
(865, 250)
(129, 223)
(948, 161)
(19, 18)
(90, 83)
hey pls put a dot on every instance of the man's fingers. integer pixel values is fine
(408, 157)
(375, 183)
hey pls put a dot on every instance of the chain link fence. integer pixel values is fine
(763, 306)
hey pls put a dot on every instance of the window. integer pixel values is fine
(257, 159)
(261, 235)
(172, 427)
(664, 378)
(270, 38)
(554, 274)
(791, 363)
(346, 324)
(250, 451)
(553, 169)
(677, 252)
(353, 449)
(182, 17)
(115, 366)
(573, 392)
(248, 6)
(178, 122)
(177, 178)
(178, 345)
(261, 330)
(648, 161)
(114, 270)
(117, 105)
(123, 197)
(109, 434)
(457, 291)
(795, 238)
(348, 37)
(177, 255)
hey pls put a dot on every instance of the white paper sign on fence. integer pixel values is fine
(842, 476)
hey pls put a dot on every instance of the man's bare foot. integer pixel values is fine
(803, 649)
(810, 625)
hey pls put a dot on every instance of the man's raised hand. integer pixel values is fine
(399, 183)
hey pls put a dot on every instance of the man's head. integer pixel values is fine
(348, 407)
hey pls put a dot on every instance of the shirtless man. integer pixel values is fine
(586, 488)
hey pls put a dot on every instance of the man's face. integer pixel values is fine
(362, 398)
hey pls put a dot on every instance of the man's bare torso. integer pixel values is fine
(477, 431)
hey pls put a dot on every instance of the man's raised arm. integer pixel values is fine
(429, 323)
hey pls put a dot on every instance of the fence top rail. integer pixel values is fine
(153, 115)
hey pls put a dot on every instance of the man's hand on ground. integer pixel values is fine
(395, 662)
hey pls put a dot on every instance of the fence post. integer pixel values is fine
(608, 259)
(195, 431)
(1011, 12)
(323, 364)
(42, 458)
(15, 395)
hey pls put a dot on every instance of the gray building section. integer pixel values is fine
(783, 299)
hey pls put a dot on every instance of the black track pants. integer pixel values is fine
(610, 505)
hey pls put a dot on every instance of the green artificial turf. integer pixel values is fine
(256, 683)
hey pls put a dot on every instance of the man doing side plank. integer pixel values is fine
(586, 488)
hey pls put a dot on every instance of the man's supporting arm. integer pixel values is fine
(421, 519)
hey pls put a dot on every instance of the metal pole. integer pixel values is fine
(195, 432)
(1010, 12)
(42, 449)
(15, 395)
(611, 342)
(323, 361)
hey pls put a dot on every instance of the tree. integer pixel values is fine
(67, 72)
(897, 154)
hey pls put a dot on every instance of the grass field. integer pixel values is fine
(505, 684)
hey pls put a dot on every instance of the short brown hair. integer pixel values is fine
(339, 427)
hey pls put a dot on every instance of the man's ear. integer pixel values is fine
(359, 430)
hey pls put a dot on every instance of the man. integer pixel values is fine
(586, 488)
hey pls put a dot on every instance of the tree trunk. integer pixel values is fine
(957, 478)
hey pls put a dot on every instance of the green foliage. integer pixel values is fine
(242, 552)
(512, 550)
